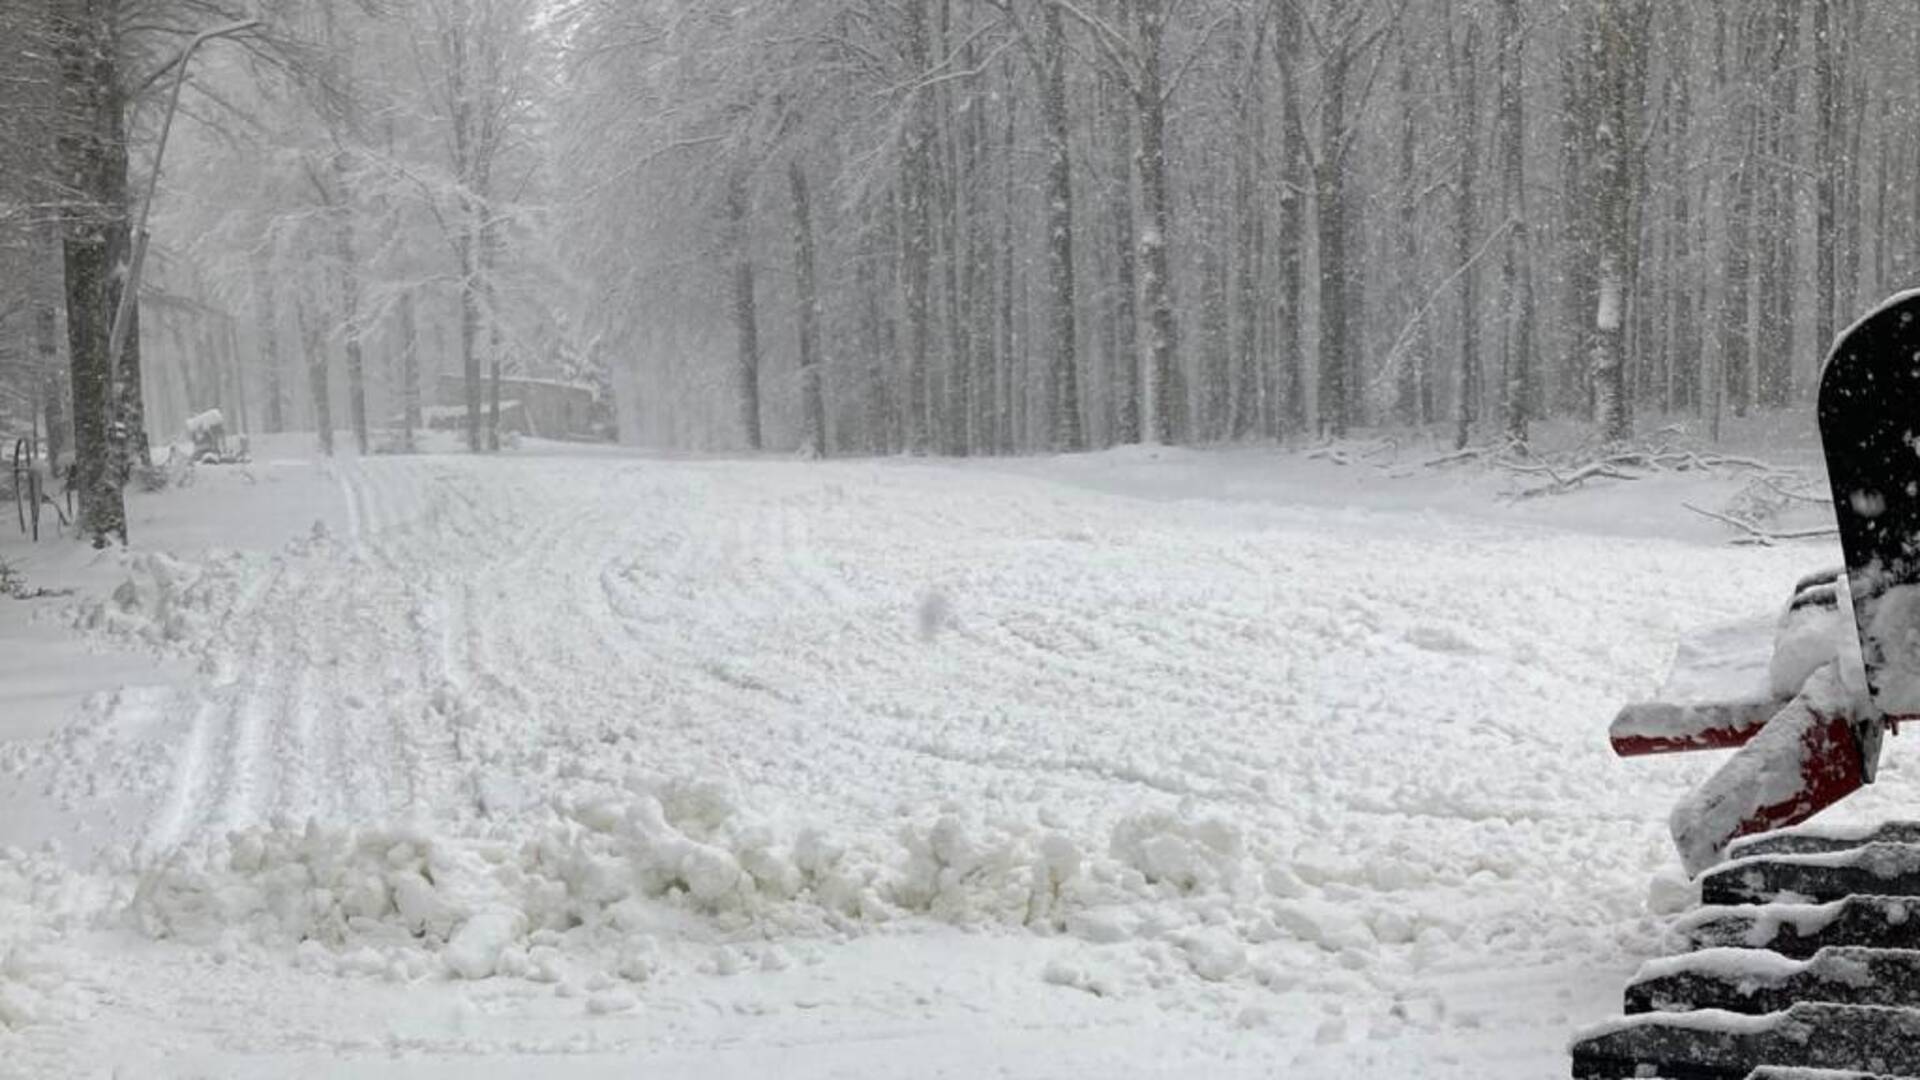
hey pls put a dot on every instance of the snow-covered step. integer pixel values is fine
(1878, 869)
(1769, 1072)
(1811, 841)
(1714, 1045)
(1801, 930)
(1758, 981)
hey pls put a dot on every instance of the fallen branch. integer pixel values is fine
(1597, 470)
(1773, 485)
(1757, 535)
(1465, 454)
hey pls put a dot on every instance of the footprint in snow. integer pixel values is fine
(935, 613)
(1441, 639)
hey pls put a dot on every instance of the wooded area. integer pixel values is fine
(948, 226)
(1049, 224)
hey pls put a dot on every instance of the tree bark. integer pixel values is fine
(1126, 383)
(1516, 273)
(54, 389)
(1247, 381)
(916, 233)
(1466, 79)
(1062, 328)
(267, 322)
(1157, 276)
(409, 372)
(1330, 206)
(319, 383)
(745, 322)
(1773, 362)
(350, 305)
(86, 50)
(1620, 30)
(1291, 417)
(1826, 125)
(813, 425)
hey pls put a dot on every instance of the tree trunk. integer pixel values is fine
(409, 371)
(746, 323)
(1125, 390)
(1157, 276)
(1516, 272)
(470, 334)
(813, 436)
(86, 51)
(1736, 350)
(1062, 330)
(1291, 417)
(1774, 350)
(1826, 125)
(1466, 76)
(1411, 374)
(54, 391)
(1247, 381)
(916, 233)
(313, 341)
(1683, 367)
(1007, 390)
(267, 320)
(1621, 29)
(350, 314)
(1330, 206)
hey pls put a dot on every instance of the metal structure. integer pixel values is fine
(1803, 957)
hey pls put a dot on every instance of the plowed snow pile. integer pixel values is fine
(667, 760)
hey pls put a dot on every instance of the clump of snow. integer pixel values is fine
(1176, 850)
(1724, 662)
(1671, 893)
(1808, 638)
(201, 423)
(1891, 620)
(474, 951)
(161, 601)
(40, 901)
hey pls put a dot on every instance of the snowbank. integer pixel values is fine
(597, 878)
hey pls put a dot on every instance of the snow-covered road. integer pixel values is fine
(861, 769)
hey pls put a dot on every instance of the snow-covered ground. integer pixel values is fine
(580, 763)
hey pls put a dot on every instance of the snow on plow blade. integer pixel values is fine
(1659, 727)
(1805, 759)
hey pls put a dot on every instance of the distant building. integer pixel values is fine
(542, 408)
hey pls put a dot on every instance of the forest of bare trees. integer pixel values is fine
(1051, 224)
(947, 226)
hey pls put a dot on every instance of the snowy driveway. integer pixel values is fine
(871, 769)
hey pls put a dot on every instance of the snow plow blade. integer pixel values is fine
(1660, 727)
(1715, 1045)
(1814, 742)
